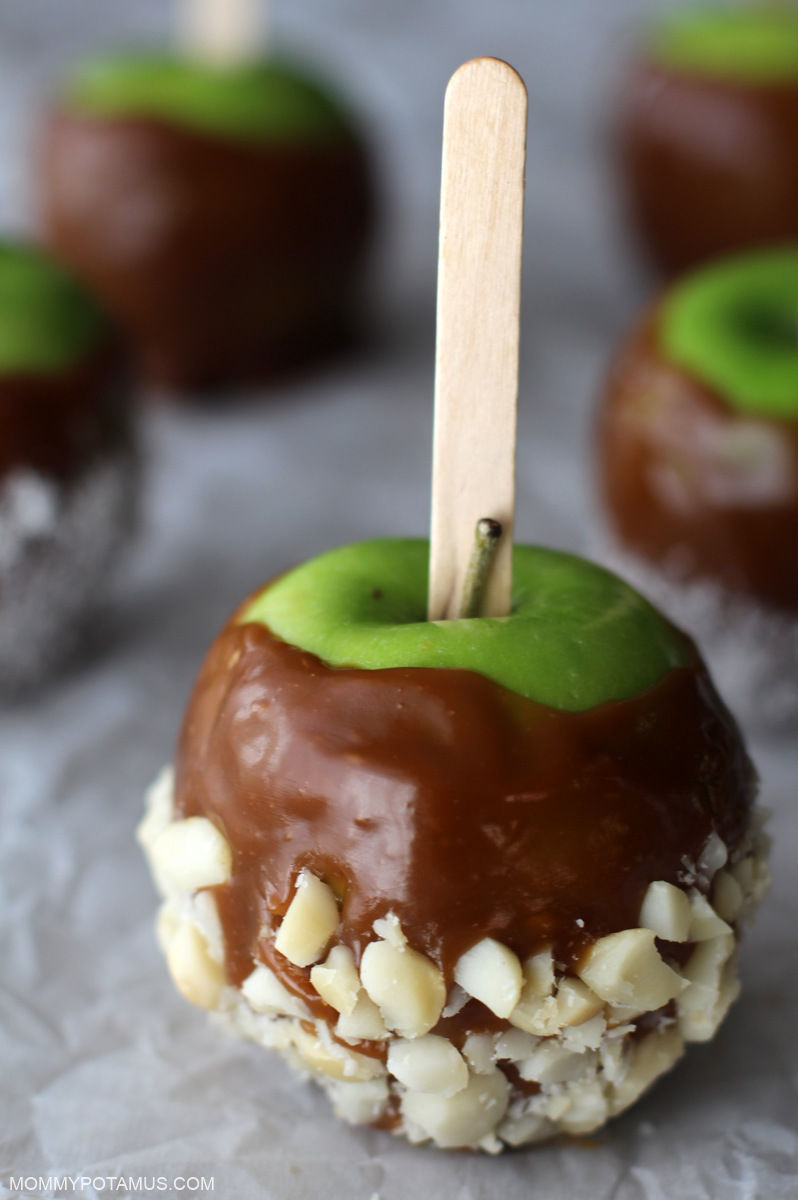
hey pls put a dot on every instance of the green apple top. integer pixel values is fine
(757, 44)
(261, 101)
(47, 320)
(577, 635)
(734, 326)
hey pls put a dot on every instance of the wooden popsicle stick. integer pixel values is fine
(479, 304)
(223, 32)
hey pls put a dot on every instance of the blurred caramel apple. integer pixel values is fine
(222, 213)
(708, 135)
(698, 450)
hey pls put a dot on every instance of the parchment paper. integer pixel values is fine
(104, 1071)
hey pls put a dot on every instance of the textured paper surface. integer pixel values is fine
(104, 1071)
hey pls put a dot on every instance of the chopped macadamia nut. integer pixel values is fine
(704, 921)
(587, 1109)
(514, 1044)
(192, 854)
(526, 1129)
(712, 988)
(336, 980)
(727, 896)
(309, 923)
(585, 1036)
(390, 930)
(713, 856)
(538, 1016)
(459, 1120)
(644, 1062)
(428, 1064)
(265, 994)
(478, 1049)
(206, 917)
(406, 986)
(329, 1058)
(358, 1103)
(576, 1002)
(492, 974)
(551, 1062)
(364, 1023)
(197, 976)
(625, 968)
(538, 975)
(159, 809)
(666, 911)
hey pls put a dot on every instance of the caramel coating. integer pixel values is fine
(226, 261)
(437, 794)
(708, 166)
(688, 479)
(57, 423)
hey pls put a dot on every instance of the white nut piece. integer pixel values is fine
(192, 854)
(264, 993)
(309, 923)
(727, 896)
(587, 1110)
(492, 974)
(713, 856)
(712, 988)
(538, 974)
(537, 1015)
(625, 968)
(704, 921)
(336, 980)
(358, 1103)
(364, 1023)
(462, 1119)
(428, 1064)
(159, 808)
(479, 1050)
(514, 1044)
(330, 1059)
(576, 1002)
(197, 976)
(406, 986)
(585, 1036)
(645, 1061)
(526, 1129)
(551, 1062)
(666, 910)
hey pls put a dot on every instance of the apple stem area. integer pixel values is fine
(223, 33)
(486, 543)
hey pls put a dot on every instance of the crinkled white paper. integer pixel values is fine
(105, 1072)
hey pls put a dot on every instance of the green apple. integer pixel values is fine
(263, 101)
(734, 326)
(577, 635)
(757, 44)
(47, 320)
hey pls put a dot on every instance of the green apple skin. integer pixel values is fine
(47, 320)
(577, 636)
(261, 101)
(734, 326)
(757, 44)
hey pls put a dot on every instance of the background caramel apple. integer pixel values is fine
(67, 462)
(708, 134)
(222, 212)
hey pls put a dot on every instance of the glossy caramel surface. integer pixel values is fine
(467, 810)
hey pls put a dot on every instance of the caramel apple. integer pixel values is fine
(707, 134)
(470, 847)
(67, 470)
(221, 211)
(698, 438)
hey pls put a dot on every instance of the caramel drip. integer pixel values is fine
(467, 810)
